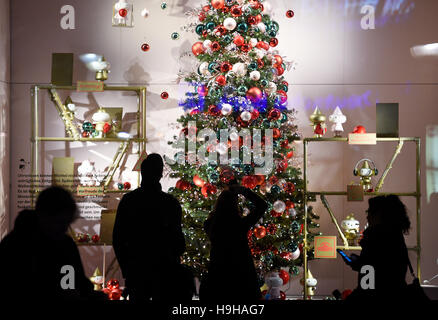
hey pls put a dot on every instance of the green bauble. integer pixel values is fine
(295, 270)
(163, 5)
(214, 93)
(227, 38)
(120, 186)
(272, 33)
(200, 28)
(285, 88)
(275, 190)
(274, 26)
(266, 123)
(87, 126)
(242, 27)
(293, 246)
(214, 177)
(212, 67)
(174, 36)
(295, 226)
(210, 25)
(242, 90)
(252, 66)
(95, 133)
(224, 123)
(247, 169)
(264, 82)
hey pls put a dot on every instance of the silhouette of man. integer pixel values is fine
(148, 239)
(34, 253)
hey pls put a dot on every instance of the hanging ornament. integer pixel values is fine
(242, 90)
(260, 232)
(87, 126)
(164, 95)
(242, 27)
(126, 186)
(239, 69)
(236, 11)
(230, 24)
(200, 28)
(246, 47)
(274, 114)
(262, 27)
(279, 70)
(290, 13)
(249, 182)
(279, 206)
(273, 42)
(255, 114)
(284, 275)
(145, 47)
(145, 13)
(226, 109)
(254, 75)
(197, 48)
(221, 80)
(276, 133)
(271, 88)
(254, 94)
(215, 46)
(225, 67)
(174, 36)
(289, 187)
(198, 181)
(208, 189)
(239, 40)
(202, 91)
(217, 4)
(245, 116)
(283, 96)
(85, 134)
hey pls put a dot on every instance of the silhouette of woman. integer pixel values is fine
(231, 273)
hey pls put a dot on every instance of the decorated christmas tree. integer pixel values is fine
(239, 88)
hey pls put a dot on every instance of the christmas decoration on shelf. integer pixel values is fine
(351, 229)
(101, 121)
(237, 81)
(359, 129)
(123, 14)
(88, 175)
(318, 123)
(338, 118)
(274, 283)
(97, 280)
(365, 173)
(86, 238)
(96, 63)
(112, 290)
(311, 283)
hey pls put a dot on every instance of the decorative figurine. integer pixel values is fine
(318, 123)
(97, 280)
(338, 118)
(351, 229)
(100, 118)
(274, 282)
(365, 173)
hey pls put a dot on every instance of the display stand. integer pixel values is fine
(416, 194)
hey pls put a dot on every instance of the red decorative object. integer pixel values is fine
(321, 131)
(275, 214)
(198, 181)
(225, 67)
(221, 30)
(164, 95)
(290, 13)
(95, 238)
(359, 129)
(280, 70)
(273, 180)
(220, 80)
(255, 114)
(214, 110)
(145, 47)
(286, 255)
(271, 229)
(260, 232)
(285, 83)
(198, 48)
(282, 166)
(208, 189)
(259, 179)
(239, 40)
(226, 9)
(285, 144)
(273, 42)
(289, 204)
(236, 11)
(202, 91)
(276, 133)
(126, 186)
(249, 182)
(282, 94)
(182, 185)
(106, 127)
(290, 154)
(346, 293)
(284, 275)
(260, 63)
(254, 94)
(217, 4)
(112, 284)
(258, 18)
(282, 295)
(206, 8)
(278, 60)
(85, 134)
(201, 16)
(123, 13)
(215, 46)
(246, 47)
(274, 114)
(251, 20)
(289, 187)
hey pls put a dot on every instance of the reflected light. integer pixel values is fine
(426, 50)
(431, 160)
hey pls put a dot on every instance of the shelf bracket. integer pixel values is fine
(341, 234)
(66, 115)
(389, 166)
(121, 151)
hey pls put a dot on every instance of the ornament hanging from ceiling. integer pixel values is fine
(123, 14)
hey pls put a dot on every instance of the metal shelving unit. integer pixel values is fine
(416, 194)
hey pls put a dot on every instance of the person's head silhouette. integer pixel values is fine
(388, 211)
(152, 168)
(56, 210)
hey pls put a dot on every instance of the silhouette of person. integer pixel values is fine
(231, 272)
(148, 240)
(383, 248)
(34, 253)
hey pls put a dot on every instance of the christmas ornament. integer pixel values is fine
(239, 69)
(242, 27)
(290, 13)
(120, 186)
(338, 119)
(252, 66)
(318, 123)
(274, 114)
(239, 40)
(271, 88)
(87, 126)
(359, 129)
(212, 67)
(126, 186)
(145, 13)
(97, 280)
(295, 254)
(242, 90)
(289, 187)
(197, 48)
(273, 42)
(208, 189)
(202, 91)
(214, 110)
(174, 36)
(123, 13)
(163, 5)
(215, 46)
(225, 67)
(85, 134)
(112, 284)
(255, 114)
(271, 229)
(217, 4)
(276, 133)
(279, 206)
(164, 95)
(206, 44)
(106, 128)
(284, 275)
(145, 47)
(245, 116)
(254, 75)
(226, 109)
(198, 181)
(254, 94)
(351, 229)
(230, 24)
(262, 27)
(95, 238)
(249, 182)
(221, 80)
(200, 29)
(260, 232)
(365, 173)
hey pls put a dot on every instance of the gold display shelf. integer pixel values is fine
(71, 131)
(417, 194)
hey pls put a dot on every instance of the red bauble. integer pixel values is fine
(145, 47)
(251, 20)
(286, 255)
(182, 185)
(194, 111)
(198, 48)
(239, 40)
(225, 67)
(290, 154)
(278, 60)
(290, 13)
(259, 179)
(284, 275)
(254, 94)
(85, 134)
(280, 70)
(289, 204)
(258, 18)
(246, 47)
(289, 187)
(217, 4)
(201, 16)
(115, 294)
(208, 189)
(282, 295)
(359, 129)
(249, 182)
(236, 11)
(285, 83)
(275, 214)
(260, 63)
(276, 133)
(123, 13)
(226, 9)
(204, 33)
(220, 80)
(255, 114)
(242, 123)
(95, 238)
(273, 180)
(206, 8)
(214, 110)
(221, 30)
(260, 232)
(126, 186)
(283, 95)
(271, 229)
(285, 144)
(282, 166)
(274, 114)
(112, 284)
(260, 45)
(215, 46)
(198, 181)
(106, 127)
(164, 95)
(273, 42)
(346, 293)
(202, 91)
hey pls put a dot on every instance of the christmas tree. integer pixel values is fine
(238, 106)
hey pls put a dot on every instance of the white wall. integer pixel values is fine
(4, 116)
(338, 63)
